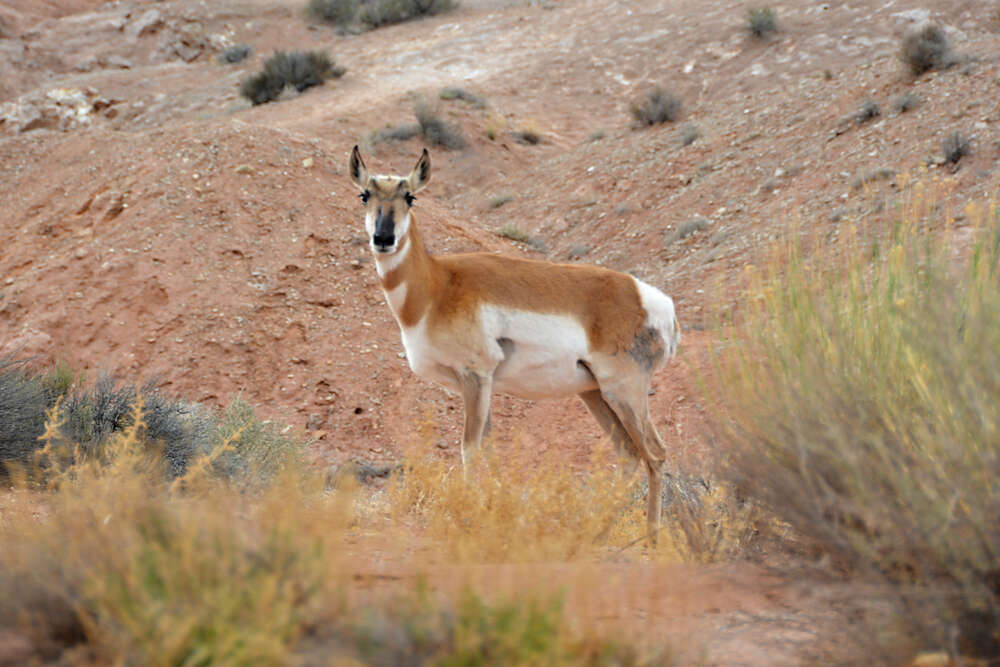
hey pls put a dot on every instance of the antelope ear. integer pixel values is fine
(358, 170)
(421, 173)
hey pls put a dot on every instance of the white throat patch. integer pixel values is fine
(386, 263)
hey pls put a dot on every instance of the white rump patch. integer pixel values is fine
(660, 315)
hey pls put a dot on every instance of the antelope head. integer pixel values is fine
(387, 201)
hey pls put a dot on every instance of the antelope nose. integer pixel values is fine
(383, 241)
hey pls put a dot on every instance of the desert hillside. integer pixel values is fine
(156, 225)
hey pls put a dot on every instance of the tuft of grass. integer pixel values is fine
(762, 21)
(689, 134)
(497, 201)
(503, 510)
(398, 133)
(926, 48)
(436, 130)
(687, 228)
(869, 110)
(861, 390)
(463, 95)
(955, 146)
(656, 106)
(495, 126)
(235, 54)
(529, 133)
(906, 101)
(334, 12)
(596, 135)
(298, 69)
(514, 233)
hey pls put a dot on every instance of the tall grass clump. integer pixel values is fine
(516, 507)
(863, 396)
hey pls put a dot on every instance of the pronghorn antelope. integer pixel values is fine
(480, 323)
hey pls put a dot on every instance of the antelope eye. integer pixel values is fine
(364, 196)
(409, 198)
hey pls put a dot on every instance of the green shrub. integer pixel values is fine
(863, 392)
(762, 21)
(260, 449)
(656, 106)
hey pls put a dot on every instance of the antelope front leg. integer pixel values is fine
(477, 389)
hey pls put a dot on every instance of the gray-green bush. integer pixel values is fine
(862, 392)
(927, 48)
(298, 69)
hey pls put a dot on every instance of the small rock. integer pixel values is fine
(307, 163)
(28, 343)
(244, 169)
(118, 61)
(80, 253)
(148, 22)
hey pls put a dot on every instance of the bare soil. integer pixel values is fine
(154, 224)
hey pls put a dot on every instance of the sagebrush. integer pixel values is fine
(863, 392)
(297, 69)
(656, 106)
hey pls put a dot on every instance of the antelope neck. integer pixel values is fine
(411, 267)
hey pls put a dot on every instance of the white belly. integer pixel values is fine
(540, 353)
(538, 372)
(534, 356)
